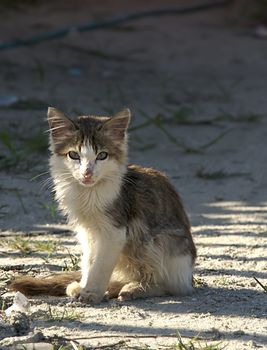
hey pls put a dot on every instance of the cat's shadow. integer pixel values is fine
(205, 300)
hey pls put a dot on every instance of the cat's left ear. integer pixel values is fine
(116, 127)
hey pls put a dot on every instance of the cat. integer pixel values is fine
(133, 230)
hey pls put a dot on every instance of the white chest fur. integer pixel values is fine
(100, 241)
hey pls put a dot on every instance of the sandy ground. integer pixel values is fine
(205, 77)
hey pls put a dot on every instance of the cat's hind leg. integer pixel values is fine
(136, 290)
(113, 289)
(174, 279)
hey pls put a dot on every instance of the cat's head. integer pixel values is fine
(89, 148)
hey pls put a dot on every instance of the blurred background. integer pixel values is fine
(194, 78)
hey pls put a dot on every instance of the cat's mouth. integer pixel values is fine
(87, 181)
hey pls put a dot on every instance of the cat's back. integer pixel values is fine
(145, 173)
(149, 182)
(145, 181)
(148, 195)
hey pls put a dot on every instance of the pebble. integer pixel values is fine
(16, 324)
(20, 322)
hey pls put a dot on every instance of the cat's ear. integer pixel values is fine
(116, 127)
(60, 125)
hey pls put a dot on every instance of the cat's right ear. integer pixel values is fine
(60, 125)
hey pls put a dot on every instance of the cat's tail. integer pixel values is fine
(55, 285)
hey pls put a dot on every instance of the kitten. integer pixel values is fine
(130, 222)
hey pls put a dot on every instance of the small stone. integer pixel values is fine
(239, 332)
(20, 322)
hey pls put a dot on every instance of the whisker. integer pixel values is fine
(51, 182)
(35, 177)
(124, 179)
(48, 184)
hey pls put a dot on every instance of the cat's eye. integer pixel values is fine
(102, 156)
(74, 155)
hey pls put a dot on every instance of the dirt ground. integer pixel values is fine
(197, 87)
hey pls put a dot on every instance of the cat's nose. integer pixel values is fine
(87, 177)
(88, 173)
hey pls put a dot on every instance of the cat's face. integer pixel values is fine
(89, 149)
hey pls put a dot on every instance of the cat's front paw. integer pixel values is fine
(88, 297)
(75, 291)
